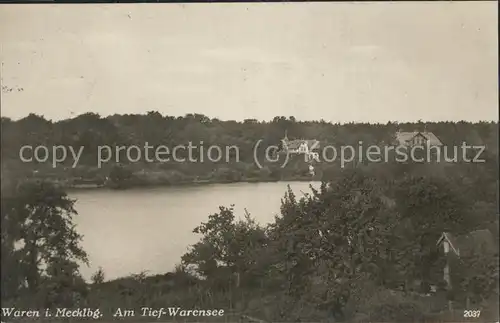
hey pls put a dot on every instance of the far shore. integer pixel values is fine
(83, 187)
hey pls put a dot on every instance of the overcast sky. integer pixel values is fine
(337, 61)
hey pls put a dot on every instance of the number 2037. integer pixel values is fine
(472, 313)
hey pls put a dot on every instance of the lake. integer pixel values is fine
(131, 231)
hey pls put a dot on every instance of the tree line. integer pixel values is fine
(90, 131)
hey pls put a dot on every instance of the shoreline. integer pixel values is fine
(86, 187)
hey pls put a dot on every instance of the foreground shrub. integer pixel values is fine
(390, 306)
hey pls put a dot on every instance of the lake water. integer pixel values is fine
(130, 231)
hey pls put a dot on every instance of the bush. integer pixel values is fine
(397, 312)
(390, 306)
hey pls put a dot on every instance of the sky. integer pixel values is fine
(341, 62)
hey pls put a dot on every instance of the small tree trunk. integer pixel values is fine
(32, 274)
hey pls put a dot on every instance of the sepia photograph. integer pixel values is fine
(249, 162)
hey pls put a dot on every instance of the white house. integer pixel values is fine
(301, 147)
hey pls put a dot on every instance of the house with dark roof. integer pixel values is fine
(417, 138)
(478, 242)
(474, 242)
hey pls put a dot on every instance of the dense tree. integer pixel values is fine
(228, 247)
(40, 245)
(333, 251)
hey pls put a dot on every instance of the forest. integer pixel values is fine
(90, 131)
(363, 247)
